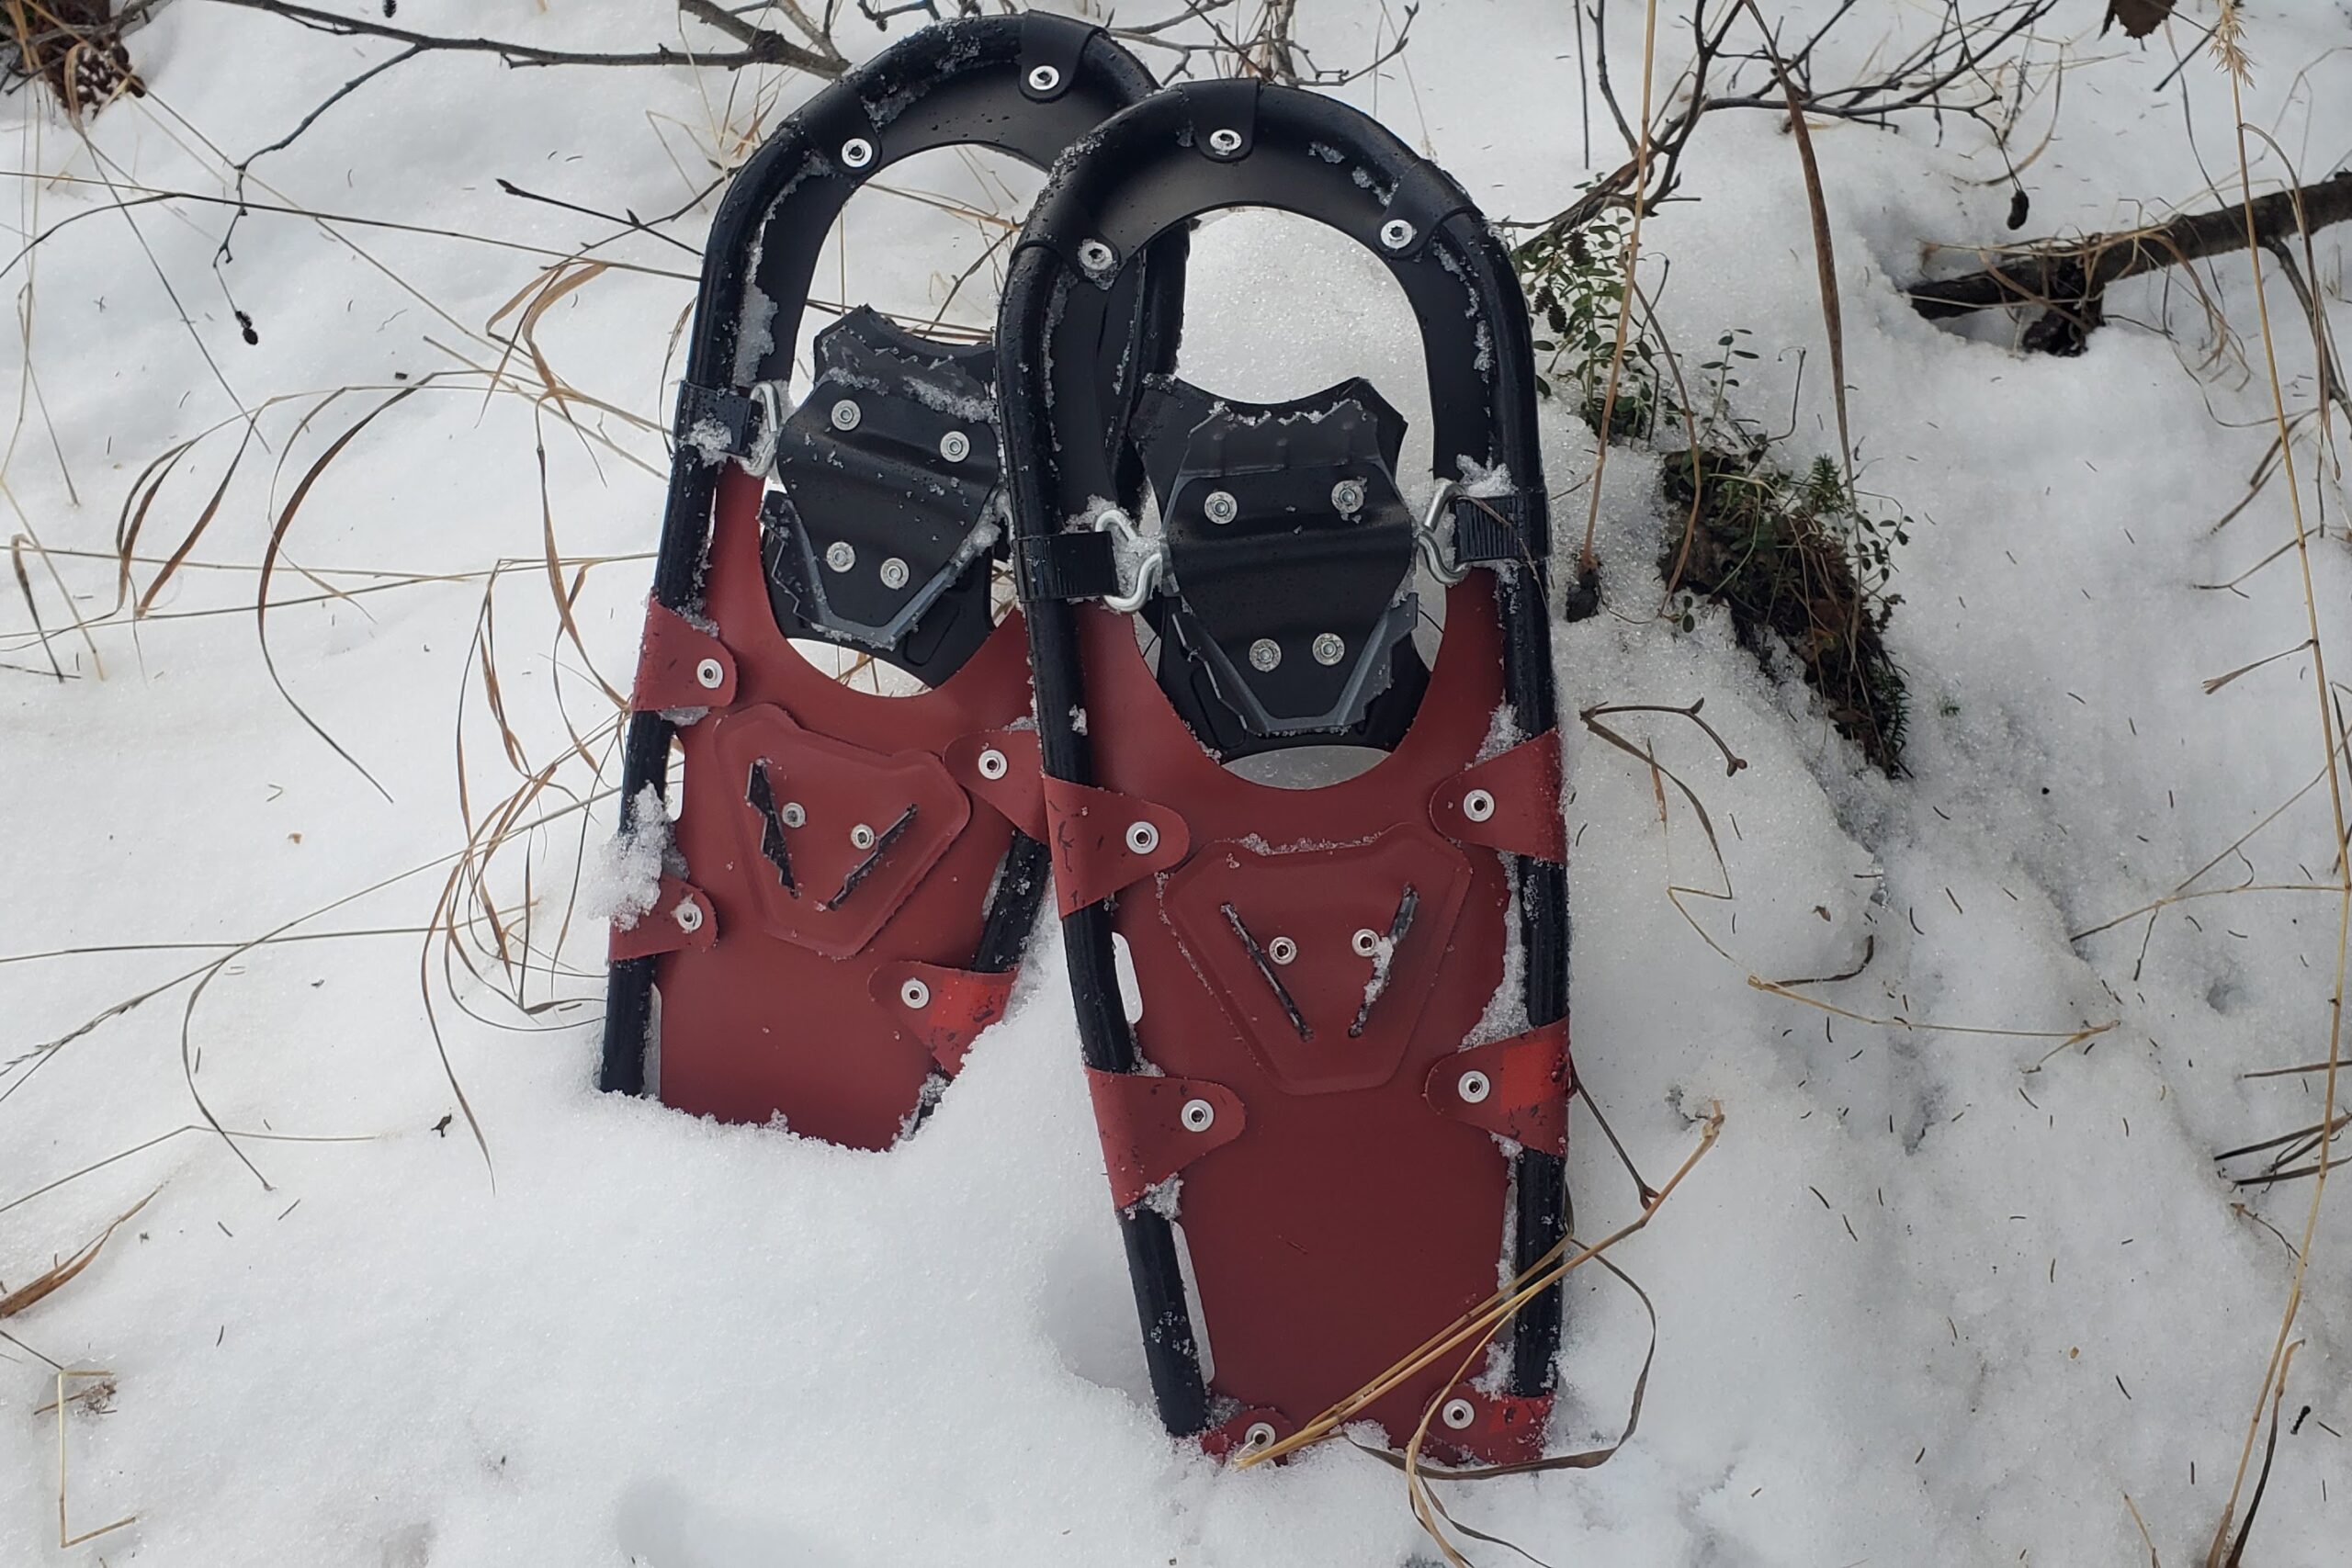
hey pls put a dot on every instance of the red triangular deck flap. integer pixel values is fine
(1000, 768)
(681, 917)
(833, 837)
(1257, 1428)
(943, 1010)
(1153, 1127)
(1516, 1088)
(1103, 841)
(1491, 1428)
(1510, 802)
(680, 666)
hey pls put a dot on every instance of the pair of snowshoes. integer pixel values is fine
(1352, 1044)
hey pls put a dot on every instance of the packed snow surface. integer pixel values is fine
(1959, 1277)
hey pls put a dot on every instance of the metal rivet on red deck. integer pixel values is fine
(847, 415)
(894, 573)
(1258, 1434)
(992, 764)
(710, 674)
(1457, 1414)
(1366, 943)
(1330, 647)
(1265, 654)
(1096, 256)
(1199, 1116)
(915, 994)
(1225, 141)
(861, 836)
(1142, 837)
(955, 446)
(1478, 805)
(1396, 234)
(688, 914)
(794, 814)
(841, 555)
(858, 151)
(1472, 1088)
(1281, 950)
(1044, 78)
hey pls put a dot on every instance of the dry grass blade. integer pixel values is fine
(1587, 562)
(32, 606)
(47, 1283)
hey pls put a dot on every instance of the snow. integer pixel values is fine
(1946, 1291)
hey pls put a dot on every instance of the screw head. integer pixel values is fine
(1457, 1414)
(1396, 234)
(840, 554)
(1096, 256)
(1330, 647)
(955, 446)
(894, 573)
(861, 836)
(915, 994)
(1365, 942)
(1142, 837)
(1044, 78)
(1265, 654)
(1256, 1434)
(1281, 950)
(858, 151)
(1225, 141)
(794, 814)
(1478, 805)
(1198, 1115)
(847, 414)
(1219, 507)
(710, 674)
(688, 914)
(1473, 1088)
(1347, 497)
(992, 764)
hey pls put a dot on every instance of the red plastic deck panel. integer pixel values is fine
(1351, 1219)
(766, 1022)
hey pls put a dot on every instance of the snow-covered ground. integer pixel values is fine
(1941, 1294)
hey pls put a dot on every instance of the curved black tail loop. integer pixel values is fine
(1141, 178)
(1028, 87)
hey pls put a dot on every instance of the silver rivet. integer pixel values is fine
(1142, 837)
(1218, 506)
(688, 914)
(861, 836)
(710, 674)
(1044, 78)
(1366, 943)
(1478, 805)
(1330, 649)
(1096, 256)
(992, 764)
(1281, 950)
(1199, 1116)
(1265, 653)
(955, 446)
(858, 151)
(1347, 497)
(915, 994)
(1457, 1414)
(846, 414)
(894, 573)
(1472, 1088)
(1258, 1434)
(1396, 234)
(839, 555)
(794, 814)
(1225, 141)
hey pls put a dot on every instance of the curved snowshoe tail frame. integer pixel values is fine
(1312, 1096)
(1028, 87)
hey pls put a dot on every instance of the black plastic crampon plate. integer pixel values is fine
(1364, 1096)
(850, 882)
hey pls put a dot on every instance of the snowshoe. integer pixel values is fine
(1346, 1090)
(852, 877)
